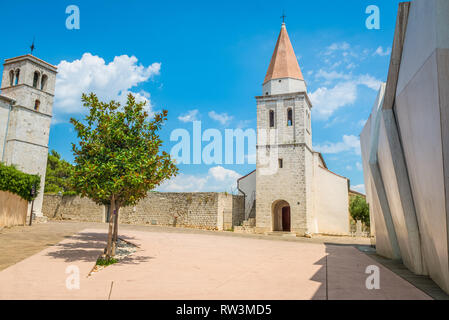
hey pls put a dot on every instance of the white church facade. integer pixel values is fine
(291, 190)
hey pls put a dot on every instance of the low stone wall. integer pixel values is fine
(13, 209)
(72, 208)
(205, 210)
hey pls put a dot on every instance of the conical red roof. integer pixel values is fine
(283, 63)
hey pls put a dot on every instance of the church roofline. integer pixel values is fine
(265, 82)
(357, 193)
(321, 157)
(6, 98)
(243, 177)
(33, 59)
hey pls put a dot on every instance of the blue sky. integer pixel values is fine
(211, 57)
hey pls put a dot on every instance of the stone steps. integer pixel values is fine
(244, 229)
(281, 234)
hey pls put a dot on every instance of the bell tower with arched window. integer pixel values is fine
(27, 93)
(284, 144)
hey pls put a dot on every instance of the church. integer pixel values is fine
(291, 190)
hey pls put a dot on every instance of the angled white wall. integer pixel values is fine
(412, 150)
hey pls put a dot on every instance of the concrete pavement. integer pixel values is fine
(184, 265)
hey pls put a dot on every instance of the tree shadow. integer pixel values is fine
(87, 246)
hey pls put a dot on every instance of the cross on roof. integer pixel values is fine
(32, 47)
(283, 17)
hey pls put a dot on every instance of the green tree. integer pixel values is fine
(57, 178)
(359, 209)
(118, 157)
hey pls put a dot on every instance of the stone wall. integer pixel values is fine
(205, 210)
(13, 209)
(72, 208)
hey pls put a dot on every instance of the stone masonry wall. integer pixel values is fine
(204, 210)
(72, 208)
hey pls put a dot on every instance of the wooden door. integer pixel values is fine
(286, 219)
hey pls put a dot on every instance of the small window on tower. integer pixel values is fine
(281, 164)
(35, 79)
(11, 78)
(37, 103)
(16, 81)
(289, 117)
(44, 82)
(271, 119)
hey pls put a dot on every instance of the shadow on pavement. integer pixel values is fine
(87, 246)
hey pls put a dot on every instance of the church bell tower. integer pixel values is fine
(29, 84)
(284, 145)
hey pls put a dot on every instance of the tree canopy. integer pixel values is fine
(59, 172)
(119, 152)
(359, 209)
(118, 157)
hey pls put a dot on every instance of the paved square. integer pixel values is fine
(183, 265)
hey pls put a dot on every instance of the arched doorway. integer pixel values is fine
(281, 217)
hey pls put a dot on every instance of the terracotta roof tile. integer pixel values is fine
(283, 62)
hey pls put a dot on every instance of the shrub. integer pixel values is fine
(18, 182)
(359, 209)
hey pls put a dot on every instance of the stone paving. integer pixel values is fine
(174, 263)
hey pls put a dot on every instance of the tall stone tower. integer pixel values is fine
(284, 175)
(28, 84)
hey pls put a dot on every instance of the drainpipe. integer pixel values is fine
(6, 132)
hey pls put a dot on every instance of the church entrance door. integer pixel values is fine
(286, 219)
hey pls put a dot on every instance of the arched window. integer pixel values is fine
(35, 79)
(44, 82)
(16, 81)
(11, 78)
(271, 119)
(289, 117)
(37, 103)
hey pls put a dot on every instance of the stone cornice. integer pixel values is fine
(31, 87)
(275, 97)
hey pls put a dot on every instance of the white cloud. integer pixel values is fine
(221, 174)
(348, 143)
(337, 47)
(328, 100)
(359, 166)
(359, 188)
(350, 66)
(217, 179)
(190, 116)
(369, 81)
(110, 81)
(381, 52)
(332, 75)
(223, 118)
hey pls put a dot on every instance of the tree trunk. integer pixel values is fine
(115, 235)
(109, 253)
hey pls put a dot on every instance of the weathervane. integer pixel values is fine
(283, 16)
(32, 47)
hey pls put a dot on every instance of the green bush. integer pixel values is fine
(359, 209)
(17, 182)
(106, 262)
